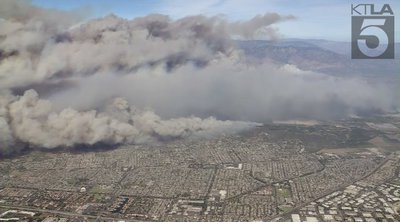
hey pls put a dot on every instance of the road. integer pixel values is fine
(343, 186)
(69, 214)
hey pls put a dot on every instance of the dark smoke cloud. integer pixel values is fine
(178, 68)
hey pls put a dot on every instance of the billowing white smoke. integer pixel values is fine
(34, 121)
(179, 68)
(38, 52)
(6, 137)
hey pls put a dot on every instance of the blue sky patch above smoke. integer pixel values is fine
(315, 19)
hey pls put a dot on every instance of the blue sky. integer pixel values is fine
(316, 19)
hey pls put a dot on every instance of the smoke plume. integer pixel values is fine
(181, 76)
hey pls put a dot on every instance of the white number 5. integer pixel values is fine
(371, 27)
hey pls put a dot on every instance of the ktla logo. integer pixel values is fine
(372, 35)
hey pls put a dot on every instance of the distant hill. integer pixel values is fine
(329, 57)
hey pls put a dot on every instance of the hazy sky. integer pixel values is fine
(316, 19)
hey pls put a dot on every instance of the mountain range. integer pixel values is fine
(330, 57)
